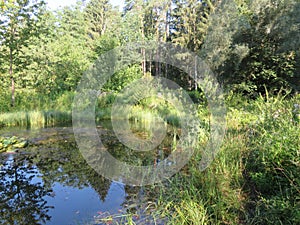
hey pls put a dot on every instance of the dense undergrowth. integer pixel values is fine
(254, 179)
(33, 110)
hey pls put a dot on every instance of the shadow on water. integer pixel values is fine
(49, 182)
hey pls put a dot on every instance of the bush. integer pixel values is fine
(65, 102)
(197, 96)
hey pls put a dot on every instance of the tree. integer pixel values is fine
(97, 14)
(134, 20)
(103, 25)
(246, 45)
(190, 25)
(157, 27)
(19, 24)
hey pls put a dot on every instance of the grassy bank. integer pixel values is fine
(40, 111)
(35, 110)
(35, 119)
(255, 179)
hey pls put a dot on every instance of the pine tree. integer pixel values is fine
(97, 14)
(190, 26)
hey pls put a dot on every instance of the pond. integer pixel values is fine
(49, 182)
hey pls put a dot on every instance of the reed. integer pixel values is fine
(34, 119)
(254, 179)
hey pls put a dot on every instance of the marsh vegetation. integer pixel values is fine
(252, 48)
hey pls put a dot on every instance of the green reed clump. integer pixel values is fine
(14, 119)
(210, 197)
(34, 119)
(53, 118)
(273, 164)
(36, 110)
(254, 179)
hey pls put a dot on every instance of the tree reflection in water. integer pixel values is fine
(21, 192)
(60, 161)
(27, 178)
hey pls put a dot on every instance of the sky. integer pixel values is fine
(55, 4)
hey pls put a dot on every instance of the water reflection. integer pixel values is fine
(51, 183)
(22, 193)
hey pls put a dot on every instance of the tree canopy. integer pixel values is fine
(249, 45)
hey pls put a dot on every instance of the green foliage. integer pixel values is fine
(191, 24)
(65, 101)
(273, 164)
(69, 50)
(104, 44)
(247, 50)
(26, 99)
(197, 96)
(20, 23)
(251, 46)
(189, 211)
(123, 78)
(255, 177)
(105, 100)
(8, 144)
(98, 15)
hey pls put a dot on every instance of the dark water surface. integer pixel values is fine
(49, 182)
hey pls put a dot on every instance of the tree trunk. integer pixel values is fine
(167, 31)
(195, 48)
(144, 62)
(12, 92)
(157, 64)
(12, 79)
(143, 51)
(150, 66)
(196, 74)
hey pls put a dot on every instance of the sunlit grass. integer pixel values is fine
(254, 179)
(34, 119)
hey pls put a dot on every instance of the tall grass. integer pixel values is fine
(35, 119)
(33, 110)
(36, 110)
(255, 179)
(272, 167)
(210, 197)
(146, 110)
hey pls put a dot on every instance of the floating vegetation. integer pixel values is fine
(124, 217)
(12, 144)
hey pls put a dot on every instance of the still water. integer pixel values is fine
(50, 183)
